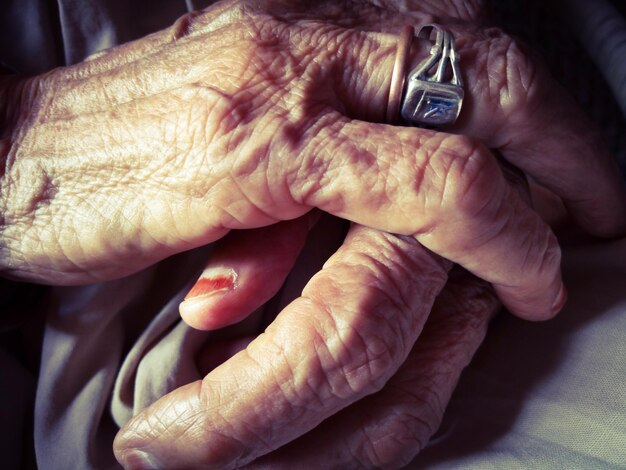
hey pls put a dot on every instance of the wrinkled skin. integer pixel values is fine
(255, 112)
(234, 119)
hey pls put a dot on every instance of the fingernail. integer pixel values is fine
(140, 460)
(560, 300)
(211, 281)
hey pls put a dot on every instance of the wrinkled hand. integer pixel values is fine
(250, 113)
(351, 333)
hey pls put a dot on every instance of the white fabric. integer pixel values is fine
(548, 395)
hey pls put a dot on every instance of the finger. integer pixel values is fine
(340, 341)
(517, 107)
(447, 191)
(244, 271)
(389, 428)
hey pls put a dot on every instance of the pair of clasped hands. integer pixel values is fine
(234, 125)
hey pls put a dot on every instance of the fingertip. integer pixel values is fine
(127, 454)
(541, 307)
(246, 269)
(219, 310)
(198, 306)
(197, 314)
(156, 437)
(606, 223)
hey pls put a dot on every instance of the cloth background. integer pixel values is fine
(547, 395)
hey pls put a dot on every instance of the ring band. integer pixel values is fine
(398, 74)
(434, 89)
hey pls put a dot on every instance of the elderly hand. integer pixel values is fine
(358, 319)
(352, 333)
(250, 113)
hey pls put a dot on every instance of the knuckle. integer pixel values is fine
(202, 421)
(357, 353)
(312, 177)
(363, 355)
(511, 70)
(212, 126)
(372, 370)
(465, 174)
(363, 349)
(392, 260)
(381, 338)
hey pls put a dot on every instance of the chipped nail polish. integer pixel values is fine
(211, 281)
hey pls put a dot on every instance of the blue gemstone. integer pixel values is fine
(439, 107)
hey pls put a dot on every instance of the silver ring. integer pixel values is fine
(434, 89)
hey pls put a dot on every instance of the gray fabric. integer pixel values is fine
(37, 35)
(76, 414)
(89, 27)
(28, 36)
(161, 359)
(602, 31)
(80, 358)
